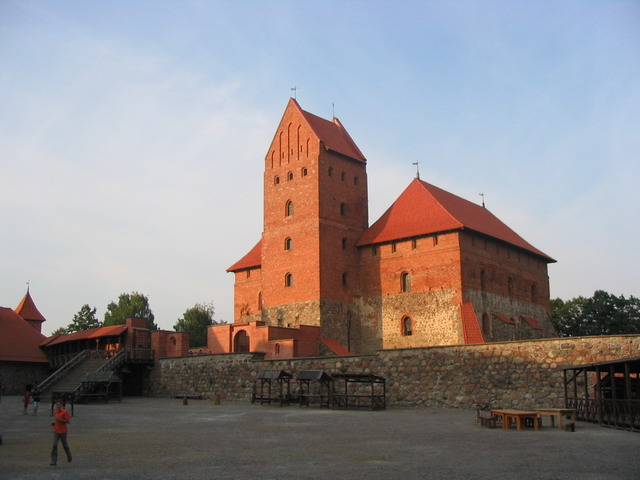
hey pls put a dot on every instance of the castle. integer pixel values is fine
(434, 269)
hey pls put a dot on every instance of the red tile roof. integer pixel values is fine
(504, 318)
(19, 341)
(424, 209)
(470, 327)
(28, 310)
(332, 133)
(253, 259)
(110, 331)
(533, 323)
(335, 346)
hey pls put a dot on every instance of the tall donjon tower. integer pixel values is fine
(315, 210)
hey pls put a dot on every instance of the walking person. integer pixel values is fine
(35, 395)
(60, 428)
(26, 398)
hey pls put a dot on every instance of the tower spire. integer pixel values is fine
(417, 169)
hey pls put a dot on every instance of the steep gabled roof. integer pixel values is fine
(332, 133)
(19, 341)
(28, 310)
(253, 259)
(424, 209)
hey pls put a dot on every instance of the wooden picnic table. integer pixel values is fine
(519, 416)
(558, 413)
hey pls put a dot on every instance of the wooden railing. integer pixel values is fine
(622, 413)
(56, 376)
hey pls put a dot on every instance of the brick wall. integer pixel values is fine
(509, 374)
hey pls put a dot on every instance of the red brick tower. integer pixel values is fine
(315, 210)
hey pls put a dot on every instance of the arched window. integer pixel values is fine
(344, 243)
(405, 282)
(260, 301)
(406, 326)
(304, 171)
(343, 209)
(290, 176)
(483, 281)
(277, 348)
(288, 280)
(241, 342)
(287, 243)
(356, 180)
(345, 279)
(331, 171)
(288, 209)
(534, 292)
(343, 176)
(276, 180)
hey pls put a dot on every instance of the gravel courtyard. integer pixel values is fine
(160, 438)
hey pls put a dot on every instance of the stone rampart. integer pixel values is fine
(518, 374)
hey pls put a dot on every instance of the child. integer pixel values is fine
(35, 394)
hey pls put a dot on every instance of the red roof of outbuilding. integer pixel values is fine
(109, 331)
(533, 323)
(253, 259)
(28, 310)
(334, 136)
(424, 209)
(504, 318)
(19, 341)
(470, 326)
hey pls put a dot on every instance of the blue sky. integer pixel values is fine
(132, 134)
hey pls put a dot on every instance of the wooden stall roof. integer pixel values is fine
(618, 365)
(312, 375)
(273, 374)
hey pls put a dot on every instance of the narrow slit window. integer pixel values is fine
(405, 282)
(407, 327)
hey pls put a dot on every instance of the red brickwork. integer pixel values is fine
(400, 283)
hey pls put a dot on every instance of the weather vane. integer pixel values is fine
(417, 169)
(295, 93)
(482, 195)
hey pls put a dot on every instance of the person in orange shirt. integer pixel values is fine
(60, 428)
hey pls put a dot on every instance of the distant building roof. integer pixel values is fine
(28, 310)
(424, 209)
(253, 259)
(110, 331)
(19, 341)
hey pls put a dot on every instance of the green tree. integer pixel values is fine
(59, 331)
(602, 314)
(134, 305)
(195, 322)
(85, 319)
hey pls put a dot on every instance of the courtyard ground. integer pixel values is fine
(160, 438)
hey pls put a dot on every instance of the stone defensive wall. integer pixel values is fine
(516, 374)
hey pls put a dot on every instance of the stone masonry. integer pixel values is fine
(517, 374)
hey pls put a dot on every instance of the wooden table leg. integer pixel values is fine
(518, 423)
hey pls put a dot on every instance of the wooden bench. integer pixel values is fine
(558, 413)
